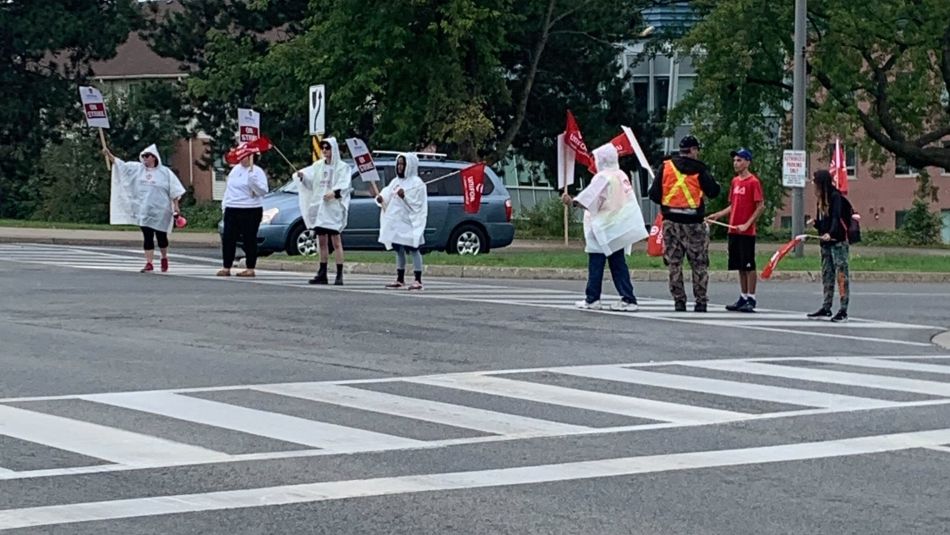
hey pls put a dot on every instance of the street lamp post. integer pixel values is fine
(798, 120)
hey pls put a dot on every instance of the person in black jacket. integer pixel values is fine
(832, 231)
(681, 186)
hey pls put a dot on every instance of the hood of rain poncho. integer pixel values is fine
(612, 219)
(402, 221)
(143, 196)
(320, 179)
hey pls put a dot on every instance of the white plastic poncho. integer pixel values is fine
(318, 180)
(143, 196)
(612, 217)
(403, 220)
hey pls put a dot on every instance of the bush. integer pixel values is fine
(546, 220)
(921, 226)
(203, 215)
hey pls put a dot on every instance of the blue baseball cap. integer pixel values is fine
(743, 153)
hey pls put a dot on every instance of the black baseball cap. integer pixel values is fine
(689, 142)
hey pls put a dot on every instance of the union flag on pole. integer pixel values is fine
(473, 177)
(839, 168)
(574, 140)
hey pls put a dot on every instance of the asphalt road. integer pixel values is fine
(185, 403)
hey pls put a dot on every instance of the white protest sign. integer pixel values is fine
(318, 110)
(565, 163)
(363, 159)
(94, 107)
(794, 168)
(249, 124)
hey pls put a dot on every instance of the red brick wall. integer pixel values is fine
(184, 161)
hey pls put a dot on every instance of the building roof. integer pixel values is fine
(135, 59)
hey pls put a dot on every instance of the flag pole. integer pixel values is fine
(102, 139)
(285, 158)
(566, 214)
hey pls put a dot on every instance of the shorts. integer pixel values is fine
(741, 252)
(320, 231)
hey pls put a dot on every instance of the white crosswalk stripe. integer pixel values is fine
(655, 309)
(648, 393)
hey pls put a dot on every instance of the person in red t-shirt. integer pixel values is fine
(746, 204)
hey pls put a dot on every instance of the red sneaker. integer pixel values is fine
(164, 265)
(148, 268)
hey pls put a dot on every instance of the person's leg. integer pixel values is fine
(620, 274)
(228, 240)
(400, 267)
(673, 251)
(338, 256)
(416, 268)
(827, 278)
(163, 247)
(324, 242)
(697, 252)
(841, 255)
(148, 245)
(595, 276)
(251, 224)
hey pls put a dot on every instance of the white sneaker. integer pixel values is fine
(623, 306)
(589, 306)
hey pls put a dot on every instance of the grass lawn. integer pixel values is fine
(578, 259)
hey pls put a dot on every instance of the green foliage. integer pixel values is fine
(45, 52)
(203, 215)
(546, 220)
(921, 226)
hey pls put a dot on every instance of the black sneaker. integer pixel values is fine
(679, 306)
(840, 317)
(748, 306)
(700, 307)
(737, 305)
(819, 314)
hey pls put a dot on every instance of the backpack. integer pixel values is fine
(852, 226)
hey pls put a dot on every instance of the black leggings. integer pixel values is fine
(149, 234)
(240, 223)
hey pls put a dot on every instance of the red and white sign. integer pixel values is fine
(473, 178)
(249, 124)
(363, 159)
(655, 240)
(626, 144)
(574, 140)
(839, 169)
(94, 107)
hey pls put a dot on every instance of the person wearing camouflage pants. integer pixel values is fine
(834, 269)
(692, 241)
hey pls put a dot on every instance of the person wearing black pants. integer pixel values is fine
(243, 210)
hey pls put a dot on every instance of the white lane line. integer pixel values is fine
(833, 335)
(491, 478)
(256, 422)
(803, 321)
(884, 364)
(423, 409)
(735, 389)
(582, 399)
(884, 382)
(99, 441)
(942, 449)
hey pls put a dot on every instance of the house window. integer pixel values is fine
(946, 170)
(785, 222)
(902, 168)
(899, 217)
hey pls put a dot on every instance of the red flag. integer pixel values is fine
(839, 169)
(655, 240)
(262, 144)
(473, 177)
(255, 146)
(574, 140)
(780, 254)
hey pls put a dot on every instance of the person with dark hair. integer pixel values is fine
(243, 209)
(324, 197)
(682, 184)
(832, 231)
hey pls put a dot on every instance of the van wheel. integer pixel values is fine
(467, 240)
(302, 241)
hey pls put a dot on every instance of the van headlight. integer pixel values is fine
(269, 215)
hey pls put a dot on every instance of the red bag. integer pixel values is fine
(655, 241)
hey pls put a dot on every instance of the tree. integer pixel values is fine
(476, 78)
(45, 51)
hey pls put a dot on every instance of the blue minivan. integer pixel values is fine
(449, 228)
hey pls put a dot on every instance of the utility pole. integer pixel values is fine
(798, 120)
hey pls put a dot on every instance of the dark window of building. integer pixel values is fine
(899, 217)
(785, 222)
(902, 168)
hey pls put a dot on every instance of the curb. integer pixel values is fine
(942, 340)
(644, 275)
(105, 242)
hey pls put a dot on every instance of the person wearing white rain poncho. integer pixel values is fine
(324, 203)
(402, 221)
(145, 193)
(612, 224)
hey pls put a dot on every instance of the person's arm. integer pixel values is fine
(656, 188)
(708, 184)
(258, 182)
(720, 214)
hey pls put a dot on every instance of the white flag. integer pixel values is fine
(94, 107)
(565, 163)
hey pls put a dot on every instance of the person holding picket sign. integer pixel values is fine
(243, 208)
(402, 221)
(324, 203)
(831, 225)
(145, 193)
(612, 224)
